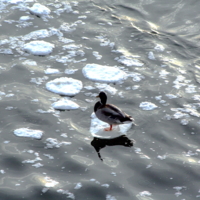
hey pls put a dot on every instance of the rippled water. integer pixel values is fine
(157, 44)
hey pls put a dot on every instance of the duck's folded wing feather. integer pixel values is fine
(115, 110)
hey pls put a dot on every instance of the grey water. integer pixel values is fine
(159, 158)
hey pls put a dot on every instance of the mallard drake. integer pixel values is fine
(109, 113)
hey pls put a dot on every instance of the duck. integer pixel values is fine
(110, 113)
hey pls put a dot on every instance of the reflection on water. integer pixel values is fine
(122, 140)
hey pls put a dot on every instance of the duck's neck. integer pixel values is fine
(97, 105)
(104, 100)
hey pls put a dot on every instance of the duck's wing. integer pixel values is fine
(114, 110)
(113, 114)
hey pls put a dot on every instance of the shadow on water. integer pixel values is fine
(99, 143)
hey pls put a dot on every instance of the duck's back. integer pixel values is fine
(111, 114)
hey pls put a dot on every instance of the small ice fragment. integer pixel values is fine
(137, 77)
(107, 88)
(38, 34)
(97, 55)
(51, 71)
(147, 106)
(171, 96)
(110, 197)
(26, 132)
(129, 61)
(145, 193)
(190, 89)
(89, 87)
(52, 143)
(44, 190)
(2, 171)
(70, 71)
(105, 185)
(49, 182)
(25, 18)
(37, 165)
(78, 186)
(184, 122)
(162, 157)
(159, 47)
(151, 56)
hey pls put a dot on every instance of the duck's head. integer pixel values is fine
(103, 97)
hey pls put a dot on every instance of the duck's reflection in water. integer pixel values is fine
(99, 143)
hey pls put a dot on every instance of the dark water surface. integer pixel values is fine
(163, 163)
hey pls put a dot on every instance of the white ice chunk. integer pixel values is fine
(51, 71)
(78, 186)
(65, 86)
(171, 96)
(39, 9)
(129, 61)
(39, 34)
(49, 182)
(37, 47)
(107, 88)
(159, 47)
(25, 18)
(101, 73)
(65, 104)
(147, 106)
(54, 143)
(97, 55)
(97, 128)
(145, 193)
(195, 97)
(151, 56)
(137, 77)
(70, 71)
(26, 132)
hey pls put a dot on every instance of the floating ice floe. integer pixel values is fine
(39, 47)
(26, 132)
(147, 106)
(39, 10)
(97, 128)
(129, 61)
(65, 104)
(101, 73)
(51, 71)
(65, 86)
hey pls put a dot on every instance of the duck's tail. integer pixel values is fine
(129, 119)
